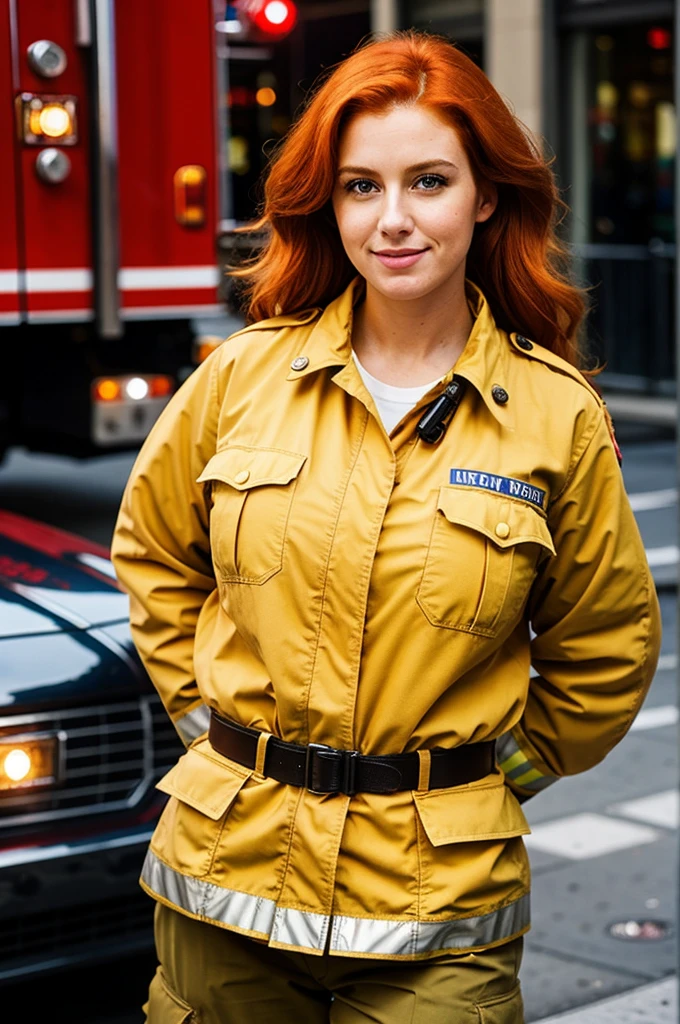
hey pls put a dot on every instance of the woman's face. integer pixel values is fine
(406, 202)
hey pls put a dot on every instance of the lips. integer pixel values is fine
(397, 259)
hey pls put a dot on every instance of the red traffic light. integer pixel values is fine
(275, 17)
(659, 38)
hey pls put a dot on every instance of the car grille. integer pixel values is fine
(112, 755)
(76, 933)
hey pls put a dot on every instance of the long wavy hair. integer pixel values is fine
(515, 257)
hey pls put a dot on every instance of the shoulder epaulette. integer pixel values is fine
(555, 362)
(544, 355)
(275, 323)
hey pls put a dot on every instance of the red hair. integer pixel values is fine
(515, 256)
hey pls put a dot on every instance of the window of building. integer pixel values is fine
(617, 162)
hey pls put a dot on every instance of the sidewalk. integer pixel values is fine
(650, 1004)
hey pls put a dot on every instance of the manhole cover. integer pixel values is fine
(640, 931)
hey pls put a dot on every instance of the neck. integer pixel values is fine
(411, 341)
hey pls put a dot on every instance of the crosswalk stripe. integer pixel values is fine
(646, 501)
(655, 718)
(669, 555)
(583, 836)
(662, 809)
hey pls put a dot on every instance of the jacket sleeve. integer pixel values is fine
(161, 546)
(595, 615)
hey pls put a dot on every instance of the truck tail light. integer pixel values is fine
(274, 17)
(107, 390)
(29, 760)
(131, 389)
(47, 119)
(205, 345)
(190, 195)
(160, 387)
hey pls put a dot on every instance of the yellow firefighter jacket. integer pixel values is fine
(295, 568)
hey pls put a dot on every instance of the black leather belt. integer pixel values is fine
(323, 769)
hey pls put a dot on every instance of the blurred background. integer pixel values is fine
(134, 134)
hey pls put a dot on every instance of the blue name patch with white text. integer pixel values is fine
(499, 485)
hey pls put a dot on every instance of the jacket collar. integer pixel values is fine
(329, 341)
(483, 362)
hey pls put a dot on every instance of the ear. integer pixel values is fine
(488, 201)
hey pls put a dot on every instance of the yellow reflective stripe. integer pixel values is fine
(519, 769)
(514, 761)
(531, 776)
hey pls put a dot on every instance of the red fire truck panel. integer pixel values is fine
(55, 219)
(9, 242)
(167, 120)
(163, 79)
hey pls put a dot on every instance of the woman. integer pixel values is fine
(333, 572)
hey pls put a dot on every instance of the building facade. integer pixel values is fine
(594, 78)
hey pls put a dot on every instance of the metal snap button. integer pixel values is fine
(502, 530)
(500, 395)
(241, 477)
(299, 363)
(524, 343)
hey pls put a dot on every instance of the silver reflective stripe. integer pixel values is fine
(206, 900)
(300, 928)
(194, 723)
(517, 767)
(305, 930)
(413, 938)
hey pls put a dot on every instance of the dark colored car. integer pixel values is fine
(83, 740)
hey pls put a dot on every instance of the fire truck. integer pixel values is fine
(113, 134)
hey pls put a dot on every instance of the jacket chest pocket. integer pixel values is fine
(251, 491)
(482, 558)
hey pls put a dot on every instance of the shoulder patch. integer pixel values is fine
(610, 425)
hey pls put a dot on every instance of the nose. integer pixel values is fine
(395, 217)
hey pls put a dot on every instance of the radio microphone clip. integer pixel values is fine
(434, 423)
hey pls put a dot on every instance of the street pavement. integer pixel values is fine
(603, 845)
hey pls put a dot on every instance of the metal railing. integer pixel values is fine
(630, 325)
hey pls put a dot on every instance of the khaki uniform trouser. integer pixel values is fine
(209, 975)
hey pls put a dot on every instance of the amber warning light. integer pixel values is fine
(44, 120)
(28, 761)
(190, 195)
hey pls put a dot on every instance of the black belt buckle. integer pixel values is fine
(343, 761)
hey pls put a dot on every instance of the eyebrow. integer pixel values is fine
(424, 166)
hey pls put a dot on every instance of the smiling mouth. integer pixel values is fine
(399, 259)
(398, 253)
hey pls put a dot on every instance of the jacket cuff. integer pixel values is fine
(193, 724)
(525, 774)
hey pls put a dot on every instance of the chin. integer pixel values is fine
(400, 287)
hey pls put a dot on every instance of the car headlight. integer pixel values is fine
(29, 760)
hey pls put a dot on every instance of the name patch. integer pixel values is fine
(499, 485)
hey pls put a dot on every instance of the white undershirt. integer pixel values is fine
(393, 403)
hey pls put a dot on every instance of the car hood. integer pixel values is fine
(53, 581)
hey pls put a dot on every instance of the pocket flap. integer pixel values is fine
(164, 1006)
(203, 782)
(502, 520)
(464, 814)
(243, 468)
